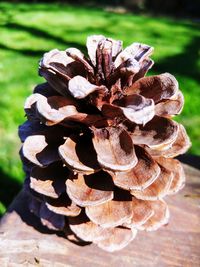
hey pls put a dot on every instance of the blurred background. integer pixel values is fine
(29, 29)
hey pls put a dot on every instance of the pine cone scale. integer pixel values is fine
(62, 205)
(115, 150)
(90, 190)
(158, 189)
(49, 181)
(142, 212)
(142, 175)
(110, 214)
(73, 155)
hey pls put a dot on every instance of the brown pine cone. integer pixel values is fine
(99, 142)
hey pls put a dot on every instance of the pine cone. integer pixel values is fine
(99, 142)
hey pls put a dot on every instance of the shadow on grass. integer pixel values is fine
(46, 6)
(9, 188)
(185, 63)
(44, 34)
(25, 52)
(37, 33)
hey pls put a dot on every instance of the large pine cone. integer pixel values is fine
(100, 140)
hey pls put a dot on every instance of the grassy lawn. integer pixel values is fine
(29, 30)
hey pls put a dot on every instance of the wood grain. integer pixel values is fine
(24, 242)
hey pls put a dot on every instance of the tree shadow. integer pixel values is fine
(25, 52)
(185, 63)
(9, 188)
(41, 33)
(27, 6)
(37, 33)
(190, 159)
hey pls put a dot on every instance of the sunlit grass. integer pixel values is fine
(28, 30)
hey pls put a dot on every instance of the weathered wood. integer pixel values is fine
(24, 242)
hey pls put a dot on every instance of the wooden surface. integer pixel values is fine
(24, 242)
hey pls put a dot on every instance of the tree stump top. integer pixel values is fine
(25, 242)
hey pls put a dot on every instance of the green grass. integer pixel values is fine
(29, 30)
